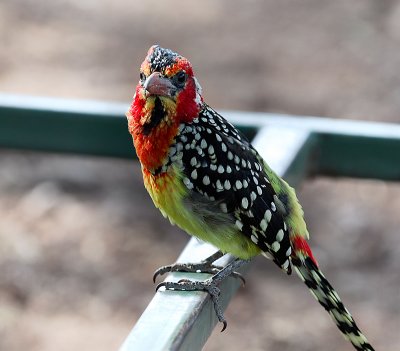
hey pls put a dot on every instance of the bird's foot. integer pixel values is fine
(210, 285)
(187, 267)
(205, 266)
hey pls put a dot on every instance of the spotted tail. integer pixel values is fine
(323, 291)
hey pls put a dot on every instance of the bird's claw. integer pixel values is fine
(208, 285)
(188, 268)
(194, 268)
(239, 276)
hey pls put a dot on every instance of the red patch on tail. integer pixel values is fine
(300, 245)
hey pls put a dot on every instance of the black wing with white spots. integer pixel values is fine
(221, 165)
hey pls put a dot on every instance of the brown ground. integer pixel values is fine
(79, 237)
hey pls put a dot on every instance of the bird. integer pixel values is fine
(205, 176)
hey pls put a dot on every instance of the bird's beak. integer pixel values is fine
(156, 84)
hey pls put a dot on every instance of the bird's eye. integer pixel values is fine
(180, 79)
(142, 76)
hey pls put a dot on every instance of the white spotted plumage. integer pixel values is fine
(221, 165)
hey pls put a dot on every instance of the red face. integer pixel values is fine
(167, 94)
(167, 84)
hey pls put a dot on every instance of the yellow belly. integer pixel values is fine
(168, 194)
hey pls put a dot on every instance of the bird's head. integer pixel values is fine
(167, 91)
(167, 94)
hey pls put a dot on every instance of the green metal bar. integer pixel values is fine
(344, 148)
(65, 126)
(358, 156)
(340, 147)
(184, 320)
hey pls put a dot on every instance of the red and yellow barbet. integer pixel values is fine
(206, 177)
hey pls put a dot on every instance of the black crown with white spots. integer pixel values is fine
(161, 58)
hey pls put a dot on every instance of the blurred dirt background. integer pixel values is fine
(79, 237)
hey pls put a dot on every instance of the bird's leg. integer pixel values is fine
(205, 266)
(210, 285)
